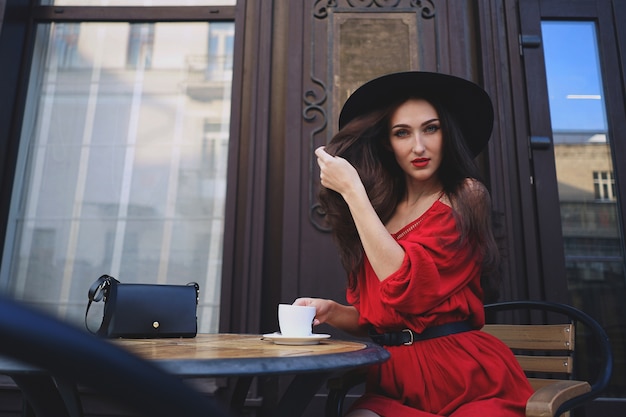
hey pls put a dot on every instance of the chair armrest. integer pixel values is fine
(546, 400)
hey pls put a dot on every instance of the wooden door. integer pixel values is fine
(575, 97)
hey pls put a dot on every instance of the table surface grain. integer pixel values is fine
(230, 346)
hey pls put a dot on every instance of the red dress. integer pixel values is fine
(470, 374)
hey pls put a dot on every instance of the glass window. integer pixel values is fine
(122, 166)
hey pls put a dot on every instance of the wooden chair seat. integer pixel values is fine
(545, 350)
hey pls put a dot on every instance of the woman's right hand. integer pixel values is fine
(322, 308)
(383, 251)
(338, 174)
(342, 317)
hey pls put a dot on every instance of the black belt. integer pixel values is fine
(408, 336)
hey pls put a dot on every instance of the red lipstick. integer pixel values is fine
(420, 162)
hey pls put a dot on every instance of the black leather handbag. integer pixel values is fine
(145, 310)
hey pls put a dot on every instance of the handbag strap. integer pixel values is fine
(98, 291)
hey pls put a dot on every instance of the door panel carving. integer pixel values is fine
(351, 42)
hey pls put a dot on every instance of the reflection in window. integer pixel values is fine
(65, 45)
(140, 45)
(604, 185)
(574, 80)
(221, 45)
(123, 170)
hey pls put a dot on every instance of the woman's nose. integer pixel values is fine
(418, 146)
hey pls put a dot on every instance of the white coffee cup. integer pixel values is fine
(295, 321)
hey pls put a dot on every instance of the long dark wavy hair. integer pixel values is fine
(364, 142)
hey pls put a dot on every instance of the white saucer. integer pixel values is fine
(279, 339)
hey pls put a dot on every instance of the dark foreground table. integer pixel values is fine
(240, 356)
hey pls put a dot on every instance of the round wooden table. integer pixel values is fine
(245, 356)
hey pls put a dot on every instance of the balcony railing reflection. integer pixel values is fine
(207, 77)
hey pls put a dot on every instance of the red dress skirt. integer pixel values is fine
(461, 375)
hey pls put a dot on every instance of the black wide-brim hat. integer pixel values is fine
(468, 103)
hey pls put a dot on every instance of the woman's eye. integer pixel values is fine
(400, 133)
(432, 128)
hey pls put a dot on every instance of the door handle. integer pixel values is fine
(530, 41)
(540, 143)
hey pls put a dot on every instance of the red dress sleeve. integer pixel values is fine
(438, 282)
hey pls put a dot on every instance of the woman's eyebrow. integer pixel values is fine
(430, 121)
(427, 122)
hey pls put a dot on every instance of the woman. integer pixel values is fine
(412, 222)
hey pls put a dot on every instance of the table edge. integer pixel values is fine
(371, 354)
